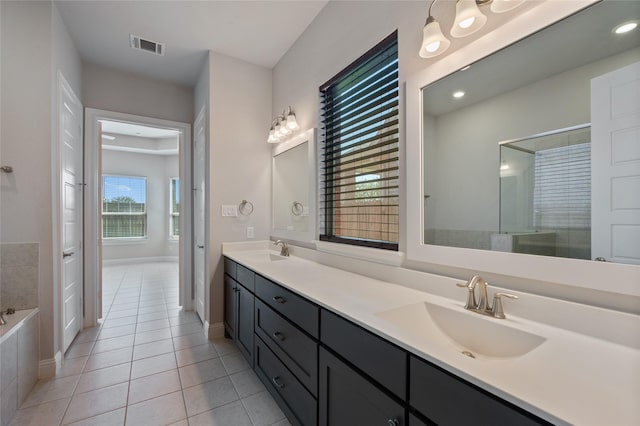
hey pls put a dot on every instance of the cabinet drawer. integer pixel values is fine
(298, 351)
(246, 277)
(230, 267)
(447, 400)
(349, 399)
(299, 405)
(297, 309)
(376, 357)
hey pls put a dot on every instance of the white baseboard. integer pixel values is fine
(135, 260)
(47, 367)
(215, 331)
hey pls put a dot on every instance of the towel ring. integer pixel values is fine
(245, 208)
(297, 208)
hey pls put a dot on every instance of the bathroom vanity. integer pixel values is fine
(338, 348)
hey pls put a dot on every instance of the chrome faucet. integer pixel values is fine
(9, 311)
(284, 251)
(481, 305)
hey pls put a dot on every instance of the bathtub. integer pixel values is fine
(19, 355)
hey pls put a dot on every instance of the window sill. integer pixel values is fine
(385, 257)
(124, 241)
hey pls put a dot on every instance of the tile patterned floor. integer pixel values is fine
(149, 363)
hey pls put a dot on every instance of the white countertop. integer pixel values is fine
(569, 379)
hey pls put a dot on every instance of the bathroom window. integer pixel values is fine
(124, 207)
(359, 133)
(174, 208)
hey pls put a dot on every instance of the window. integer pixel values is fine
(124, 207)
(174, 208)
(359, 153)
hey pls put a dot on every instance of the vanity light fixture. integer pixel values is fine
(626, 27)
(458, 94)
(283, 126)
(468, 20)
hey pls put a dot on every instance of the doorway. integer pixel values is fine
(137, 205)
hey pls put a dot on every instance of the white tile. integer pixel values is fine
(103, 377)
(79, 349)
(112, 344)
(152, 316)
(123, 330)
(51, 390)
(247, 383)
(225, 346)
(123, 313)
(196, 354)
(107, 359)
(153, 365)
(189, 340)
(49, 413)
(127, 306)
(152, 325)
(152, 336)
(178, 316)
(96, 402)
(262, 409)
(201, 372)
(147, 350)
(87, 335)
(209, 395)
(153, 386)
(283, 422)
(234, 363)
(158, 411)
(72, 367)
(188, 328)
(112, 418)
(119, 322)
(229, 414)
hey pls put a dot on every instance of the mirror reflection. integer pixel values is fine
(291, 189)
(536, 148)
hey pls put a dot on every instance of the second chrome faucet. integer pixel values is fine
(481, 304)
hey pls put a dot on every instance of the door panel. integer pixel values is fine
(615, 165)
(199, 228)
(71, 153)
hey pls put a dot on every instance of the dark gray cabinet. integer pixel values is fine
(239, 307)
(346, 398)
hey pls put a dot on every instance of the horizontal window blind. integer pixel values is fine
(124, 207)
(562, 187)
(174, 219)
(359, 161)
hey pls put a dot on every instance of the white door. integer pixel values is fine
(615, 165)
(70, 142)
(199, 228)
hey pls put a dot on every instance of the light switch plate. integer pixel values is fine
(230, 210)
(250, 232)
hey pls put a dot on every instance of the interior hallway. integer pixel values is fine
(149, 363)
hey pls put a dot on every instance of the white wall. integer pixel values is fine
(158, 169)
(35, 44)
(118, 91)
(239, 159)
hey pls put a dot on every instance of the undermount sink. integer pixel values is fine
(269, 257)
(470, 333)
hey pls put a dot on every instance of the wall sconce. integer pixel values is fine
(283, 126)
(468, 20)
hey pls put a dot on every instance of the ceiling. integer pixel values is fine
(120, 128)
(259, 32)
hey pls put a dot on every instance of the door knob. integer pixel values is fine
(67, 254)
(199, 246)
(600, 259)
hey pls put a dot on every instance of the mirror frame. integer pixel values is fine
(586, 274)
(309, 235)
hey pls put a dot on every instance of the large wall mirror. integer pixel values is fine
(293, 184)
(534, 150)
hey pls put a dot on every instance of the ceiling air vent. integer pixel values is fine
(140, 43)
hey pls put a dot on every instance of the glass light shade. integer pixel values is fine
(292, 123)
(468, 20)
(272, 137)
(277, 132)
(501, 6)
(434, 42)
(284, 130)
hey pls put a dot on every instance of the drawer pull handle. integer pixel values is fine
(278, 335)
(276, 381)
(393, 422)
(279, 299)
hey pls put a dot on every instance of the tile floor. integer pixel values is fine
(149, 363)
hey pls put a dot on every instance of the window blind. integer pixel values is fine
(359, 160)
(562, 187)
(174, 213)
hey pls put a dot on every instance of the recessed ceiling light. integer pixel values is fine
(458, 94)
(626, 27)
(465, 68)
